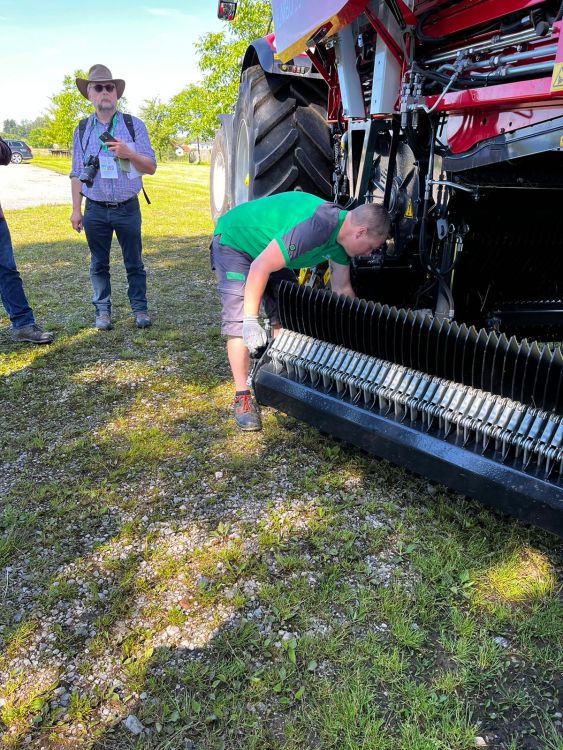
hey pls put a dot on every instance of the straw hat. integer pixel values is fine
(100, 74)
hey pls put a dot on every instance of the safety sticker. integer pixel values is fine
(408, 213)
(557, 77)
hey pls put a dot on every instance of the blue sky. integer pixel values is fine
(150, 45)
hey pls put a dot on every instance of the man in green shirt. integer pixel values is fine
(258, 244)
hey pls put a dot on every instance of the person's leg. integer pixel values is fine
(99, 232)
(231, 268)
(11, 287)
(126, 221)
(239, 361)
(24, 327)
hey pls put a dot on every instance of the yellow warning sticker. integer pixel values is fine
(408, 213)
(561, 142)
(557, 77)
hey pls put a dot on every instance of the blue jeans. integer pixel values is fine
(100, 222)
(11, 287)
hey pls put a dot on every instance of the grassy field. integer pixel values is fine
(168, 582)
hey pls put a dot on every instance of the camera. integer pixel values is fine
(91, 166)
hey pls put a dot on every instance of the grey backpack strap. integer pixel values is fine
(81, 130)
(128, 120)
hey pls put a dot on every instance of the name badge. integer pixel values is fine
(108, 168)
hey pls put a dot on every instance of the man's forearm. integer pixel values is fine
(255, 284)
(143, 163)
(76, 187)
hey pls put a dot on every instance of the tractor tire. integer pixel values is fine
(219, 194)
(281, 139)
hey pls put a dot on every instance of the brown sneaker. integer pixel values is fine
(247, 415)
(33, 333)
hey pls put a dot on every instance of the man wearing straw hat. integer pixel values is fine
(107, 172)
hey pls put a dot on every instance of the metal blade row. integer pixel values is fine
(477, 419)
(520, 370)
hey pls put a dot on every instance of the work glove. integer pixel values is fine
(253, 335)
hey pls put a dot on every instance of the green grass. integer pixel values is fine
(274, 591)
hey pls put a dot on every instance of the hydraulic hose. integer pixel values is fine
(422, 240)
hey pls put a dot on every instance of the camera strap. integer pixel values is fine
(81, 130)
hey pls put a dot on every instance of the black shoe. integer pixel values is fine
(247, 415)
(33, 333)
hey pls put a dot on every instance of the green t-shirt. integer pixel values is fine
(304, 226)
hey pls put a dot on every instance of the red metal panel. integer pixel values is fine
(504, 96)
(464, 15)
(296, 21)
(464, 131)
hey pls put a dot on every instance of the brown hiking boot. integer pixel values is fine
(33, 333)
(103, 321)
(246, 414)
(142, 320)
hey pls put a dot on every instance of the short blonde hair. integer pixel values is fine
(374, 216)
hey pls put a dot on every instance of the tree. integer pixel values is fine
(187, 113)
(67, 108)
(161, 129)
(195, 109)
(24, 128)
(39, 138)
(9, 127)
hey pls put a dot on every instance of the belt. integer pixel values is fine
(110, 204)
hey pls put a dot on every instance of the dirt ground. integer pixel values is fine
(23, 185)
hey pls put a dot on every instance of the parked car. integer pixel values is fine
(20, 151)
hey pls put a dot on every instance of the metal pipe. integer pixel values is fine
(545, 67)
(497, 60)
(456, 185)
(496, 42)
(451, 82)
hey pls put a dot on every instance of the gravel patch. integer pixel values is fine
(23, 186)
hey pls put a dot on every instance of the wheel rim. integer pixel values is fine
(241, 165)
(16, 158)
(219, 182)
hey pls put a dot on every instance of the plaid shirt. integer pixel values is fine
(103, 189)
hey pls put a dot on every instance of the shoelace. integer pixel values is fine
(244, 401)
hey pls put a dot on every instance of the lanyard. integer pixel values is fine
(111, 131)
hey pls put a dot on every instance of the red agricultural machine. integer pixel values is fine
(449, 361)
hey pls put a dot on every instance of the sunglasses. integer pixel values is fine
(103, 86)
